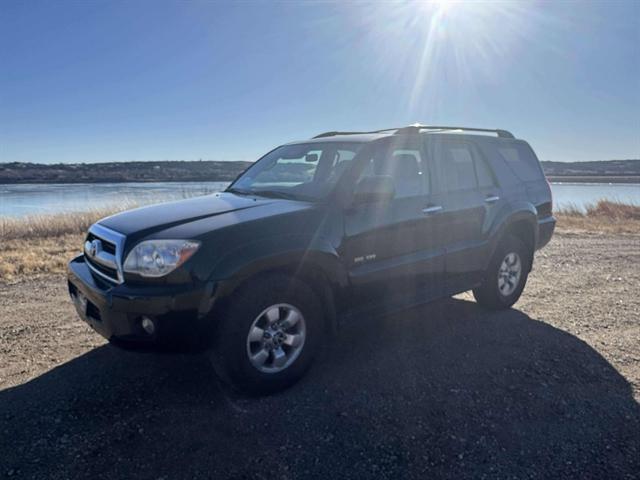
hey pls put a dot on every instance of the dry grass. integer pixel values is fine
(44, 244)
(22, 259)
(40, 226)
(602, 217)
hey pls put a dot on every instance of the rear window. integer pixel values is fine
(521, 160)
(458, 168)
(463, 168)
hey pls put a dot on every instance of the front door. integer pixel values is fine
(395, 249)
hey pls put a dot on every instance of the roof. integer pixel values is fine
(365, 137)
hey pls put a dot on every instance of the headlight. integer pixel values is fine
(155, 258)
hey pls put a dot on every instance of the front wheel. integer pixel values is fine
(269, 334)
(506, 275)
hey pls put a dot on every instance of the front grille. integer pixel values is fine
(103, 249)
(108, 271)
(107, 246)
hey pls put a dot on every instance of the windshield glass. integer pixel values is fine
(305, 171)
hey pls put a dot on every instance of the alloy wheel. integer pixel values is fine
(276, 338)
(509, 274)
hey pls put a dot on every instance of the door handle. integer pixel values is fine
(492, 199)
(432, 209)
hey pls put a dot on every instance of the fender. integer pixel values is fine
(291, 252)
(508, 216)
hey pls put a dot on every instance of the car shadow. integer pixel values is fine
(441, 391)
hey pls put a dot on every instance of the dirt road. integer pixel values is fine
(544, 390)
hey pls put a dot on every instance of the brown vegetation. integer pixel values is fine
(22, 259)
(603, 217)
(43, 244)
(40, 226)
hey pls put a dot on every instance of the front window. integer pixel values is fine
(307, 171)
(402, 161)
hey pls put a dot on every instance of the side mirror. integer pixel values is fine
(378, 188)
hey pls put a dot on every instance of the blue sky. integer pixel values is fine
(88, 81)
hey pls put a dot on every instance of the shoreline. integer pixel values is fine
(19, 173)
(553, 179)
(593, 180)
(127, 182)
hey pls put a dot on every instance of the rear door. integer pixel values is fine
(392, 248)
(469, 195)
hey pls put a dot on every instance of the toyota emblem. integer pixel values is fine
(94, 248)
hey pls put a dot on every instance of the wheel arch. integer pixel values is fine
(520, 221)
(320, 268)
(525, 231)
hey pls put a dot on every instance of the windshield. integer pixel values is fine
(306, 171)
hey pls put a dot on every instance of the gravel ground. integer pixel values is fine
(545, 390)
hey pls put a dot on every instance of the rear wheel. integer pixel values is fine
(269, 334)
(506, 276)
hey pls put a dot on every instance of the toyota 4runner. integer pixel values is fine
(347, 223)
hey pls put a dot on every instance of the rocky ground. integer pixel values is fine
(548, 389)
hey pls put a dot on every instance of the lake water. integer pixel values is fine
(583, 194)
(20, 200)
(36, 199)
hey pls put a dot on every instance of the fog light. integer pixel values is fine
(148, 325)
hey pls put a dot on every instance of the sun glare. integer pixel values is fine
(443, 5)
(445, 44)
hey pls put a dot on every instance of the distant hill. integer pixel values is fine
(166, 171)
(614, 171)
(219, 171)
(606, 167)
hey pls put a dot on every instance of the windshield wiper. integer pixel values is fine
(269, 194)
(279, 194)
(237, 191)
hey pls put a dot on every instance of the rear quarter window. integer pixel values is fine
(485, 177)
(520, 158)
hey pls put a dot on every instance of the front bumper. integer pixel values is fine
(182, 314)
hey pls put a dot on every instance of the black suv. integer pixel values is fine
(347, 223)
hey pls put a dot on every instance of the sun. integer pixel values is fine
(434, 47)
(443, 5)
(434, 6)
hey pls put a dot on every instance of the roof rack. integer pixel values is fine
(415, 128)
(331, 134)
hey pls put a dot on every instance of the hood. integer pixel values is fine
(145, 221)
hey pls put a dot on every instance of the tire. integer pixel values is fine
(504, 282)
(290, 315)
